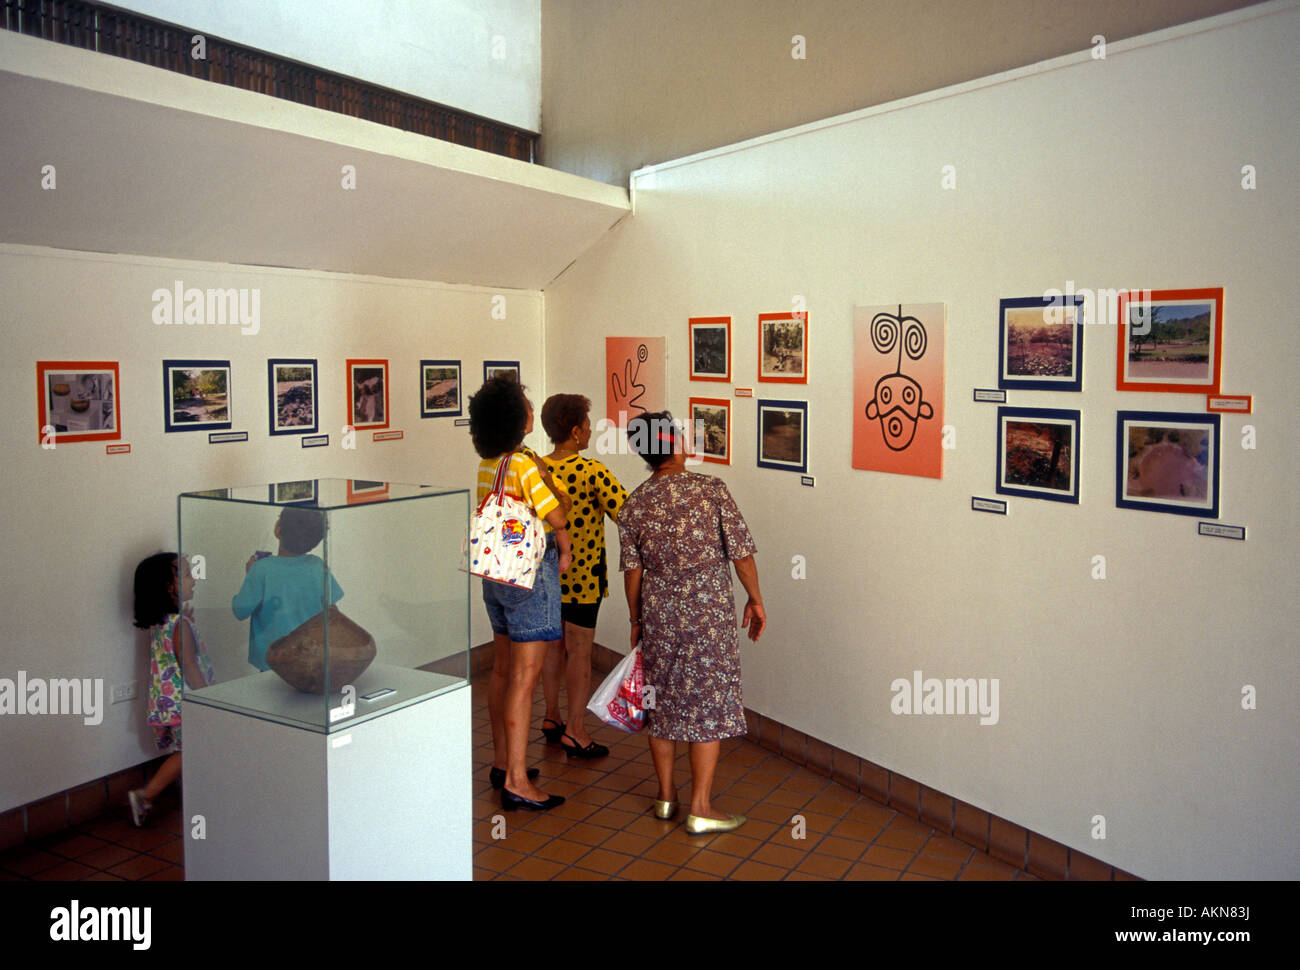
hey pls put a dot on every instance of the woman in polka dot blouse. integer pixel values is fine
(596, 493)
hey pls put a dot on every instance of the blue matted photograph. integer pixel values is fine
(1038, 453)
(1040, 343)
(1167, 461)
(783, 435)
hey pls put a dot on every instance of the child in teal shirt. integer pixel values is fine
(284, 591)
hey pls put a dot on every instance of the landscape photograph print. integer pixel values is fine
(196, 395)
(292, 395)
(440, 388)
(783, 435)
(1170, 340)
(1040, 343)
(1038, 453)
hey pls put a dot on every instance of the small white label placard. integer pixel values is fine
(341, 740)
(315, 441)
(993, 394)
(387, 436)
(744, 392)
(342, 711)
(1221, 531)
(222, 437)
(988, 505)
(807, 480)
(461, 422)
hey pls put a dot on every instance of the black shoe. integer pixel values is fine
(510, 801)
(592, 750)
(554, 734)
(498, 777)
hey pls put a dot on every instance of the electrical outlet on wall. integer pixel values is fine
(125, 692)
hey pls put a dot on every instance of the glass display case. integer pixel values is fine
(323, 603)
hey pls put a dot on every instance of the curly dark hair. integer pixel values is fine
(562, 413)
(498, 414)
(301, 530)
(654, 436)
(155, 589)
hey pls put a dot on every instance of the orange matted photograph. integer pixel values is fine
(78, 400)
(368, 400)
(1170, 340)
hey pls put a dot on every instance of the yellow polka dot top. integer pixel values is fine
(596, 493)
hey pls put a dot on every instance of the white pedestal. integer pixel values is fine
(386, 798)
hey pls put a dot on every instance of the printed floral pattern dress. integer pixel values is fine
(683, 530)
(167, 680)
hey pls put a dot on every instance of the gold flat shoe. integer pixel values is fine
(665, 810)
(699, 826)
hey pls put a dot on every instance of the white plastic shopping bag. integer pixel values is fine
(620, 700)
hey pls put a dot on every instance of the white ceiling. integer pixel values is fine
(158, 164)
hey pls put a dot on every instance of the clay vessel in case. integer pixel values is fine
(299, 657)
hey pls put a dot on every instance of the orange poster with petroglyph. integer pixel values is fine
(898, 378)
(635, 377)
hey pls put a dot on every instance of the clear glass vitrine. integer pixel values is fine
(324, 602)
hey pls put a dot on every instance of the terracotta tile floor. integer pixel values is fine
(605, 829)
(801, 826)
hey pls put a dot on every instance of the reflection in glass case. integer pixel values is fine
(325, 602)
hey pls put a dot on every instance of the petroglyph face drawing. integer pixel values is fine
(899, 400)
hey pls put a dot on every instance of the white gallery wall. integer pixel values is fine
(482, 56)
(77, 520)
(1120, 698)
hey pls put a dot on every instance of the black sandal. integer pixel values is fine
(554, 734)
(593, 750)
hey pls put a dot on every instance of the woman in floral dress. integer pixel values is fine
(678, 530)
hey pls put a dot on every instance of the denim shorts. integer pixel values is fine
(526, 615)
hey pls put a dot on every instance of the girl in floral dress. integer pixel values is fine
(176, 658)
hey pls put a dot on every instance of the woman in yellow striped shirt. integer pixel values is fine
(523, 621)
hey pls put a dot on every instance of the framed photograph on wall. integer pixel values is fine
(783, 435)
(710, 349)
(77, 400)
(1040, 343)
(1167, 462)
(1170, 340)
(783, 348)
(291, 395)
(491, 368)
(368, 392)
(196, 395)
(1038, 453)
(711, 428)
(440, 389)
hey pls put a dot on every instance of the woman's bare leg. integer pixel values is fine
(664, 752)
(552, 673)
(704, 761)
(577, 643)
(525, 667)
(497, 685)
